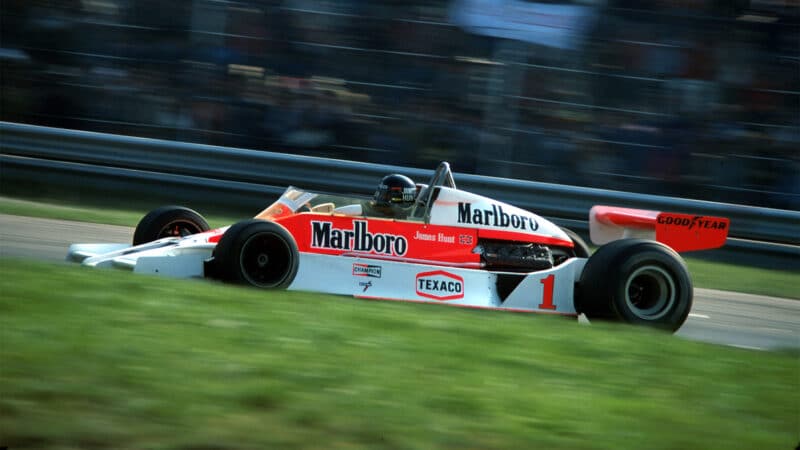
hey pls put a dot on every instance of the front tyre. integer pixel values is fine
(636, 281)
(259, 253)
(168, 221)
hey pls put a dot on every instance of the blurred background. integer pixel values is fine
(691, 98)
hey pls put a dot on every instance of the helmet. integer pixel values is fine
(396, 189)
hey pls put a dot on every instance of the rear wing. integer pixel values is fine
(681, 232)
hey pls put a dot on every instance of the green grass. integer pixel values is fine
(106, 359)
(749, 280)
(711, 275)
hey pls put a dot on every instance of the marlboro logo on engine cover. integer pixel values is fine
(495, 217)
(440, 285)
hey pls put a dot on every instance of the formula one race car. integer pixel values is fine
(454, 247)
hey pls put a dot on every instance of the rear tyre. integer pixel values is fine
(169, 221)
(636, 281)
(581, 248)
(259, 253)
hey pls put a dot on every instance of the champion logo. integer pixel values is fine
(440, 285)
(367, 270)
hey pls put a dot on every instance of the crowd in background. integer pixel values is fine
(693, 98)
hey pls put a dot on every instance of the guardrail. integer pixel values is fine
(238, 173)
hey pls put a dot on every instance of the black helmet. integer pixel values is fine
(396, 189)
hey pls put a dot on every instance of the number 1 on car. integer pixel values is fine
(547, 294)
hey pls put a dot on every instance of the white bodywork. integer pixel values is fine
(396, 280)
(365, 277)
(357, 276)
(464, 209)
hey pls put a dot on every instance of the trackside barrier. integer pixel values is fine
(140, 163)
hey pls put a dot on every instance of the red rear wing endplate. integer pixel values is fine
(681, 232)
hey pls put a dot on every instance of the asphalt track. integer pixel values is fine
(720, 317)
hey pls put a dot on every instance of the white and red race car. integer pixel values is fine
(455, 247)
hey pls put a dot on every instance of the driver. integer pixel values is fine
(394, 199)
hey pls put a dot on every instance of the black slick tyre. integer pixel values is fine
(257, 252)
(168, 221)
(636, 281)
(581, 248)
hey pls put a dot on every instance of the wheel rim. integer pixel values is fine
(265, 260)
(178, 228)
(650, 292)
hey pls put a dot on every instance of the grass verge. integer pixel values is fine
(157, 363)
(748, 280)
